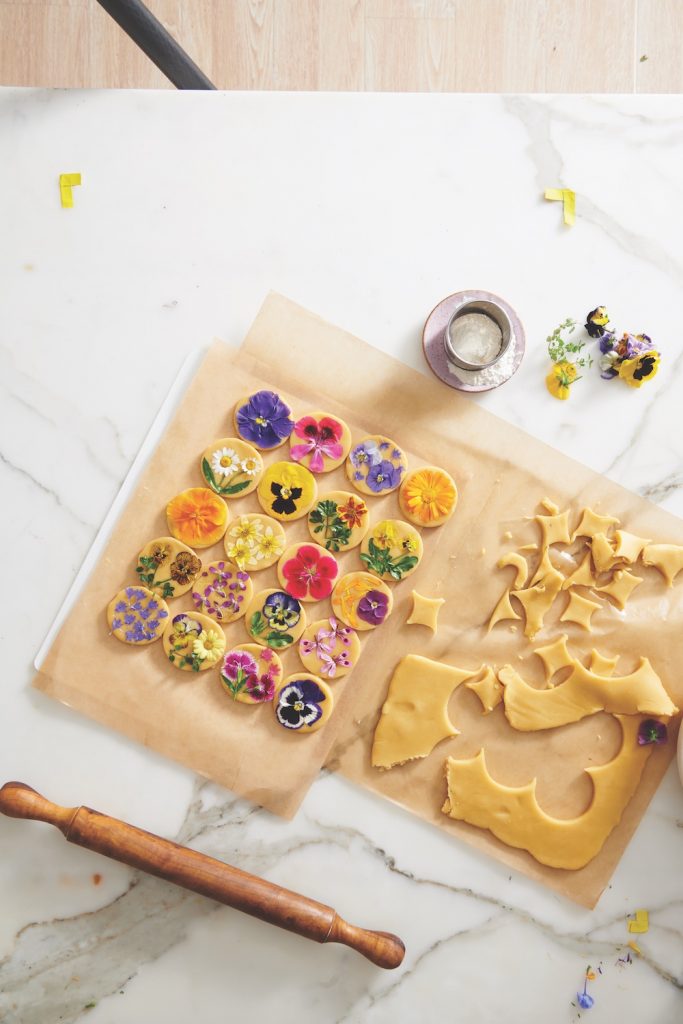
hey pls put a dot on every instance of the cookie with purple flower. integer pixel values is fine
(263, 420)
(376, 465)
(303, 703)
(250, 674)
(137, 616)
(329, 648)
(275, 619)
(361, 601)
(223, 591)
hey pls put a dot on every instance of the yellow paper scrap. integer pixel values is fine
(639, 924)
(568, 198)
(66, 183)
(635, 947)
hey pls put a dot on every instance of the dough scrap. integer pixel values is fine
(414, 717)
(593, 523)
(627, 546)
(537, 600)
(488, 689)
(602, 664)
(620, 587)
(519, 563)
(603, 553)
(667, 558)
(579, 610)
(555, 656)
(544, 567)
(425, 611)
(549, 505)
(583, 693)
(514, 817)
(503, 610)
(582, 575)
(555, 528)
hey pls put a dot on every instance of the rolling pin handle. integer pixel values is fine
(381, 948)
(18, 800)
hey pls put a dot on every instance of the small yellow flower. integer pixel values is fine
(639, 369)
(209, 646)
(246, 529)
(560, 378)
(241, 552)
(385, 535)
(269, 544)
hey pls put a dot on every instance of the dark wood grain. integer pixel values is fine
(199, 873)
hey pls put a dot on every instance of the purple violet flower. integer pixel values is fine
(383, 477)
(651, 731)
(373, 607)
(264, 420)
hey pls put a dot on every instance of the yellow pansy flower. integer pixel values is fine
(560, 378)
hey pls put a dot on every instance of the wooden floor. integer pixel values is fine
(424, 45)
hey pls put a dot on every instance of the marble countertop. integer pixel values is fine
(367, 209)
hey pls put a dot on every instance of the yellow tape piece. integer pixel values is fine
(635, 947)
(640, 923)
(66, 182)
(568, 199)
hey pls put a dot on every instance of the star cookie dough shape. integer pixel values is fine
(168, 567)
(620, 587)
(502, 611)
(137, 616)
(193, 642)
(231, 467)
(362, 601)
(303, 703)
(287, 491)
(488, 689)
(339, 520)
(254, 541)
(428, 496)
(425, 611)
(320, 442)
(391, 550)
(593, 523)
(555, 528)
(579, 610)
(514, 817)
(583, 693)
(555, 656)
(414, 717)
(376, 465)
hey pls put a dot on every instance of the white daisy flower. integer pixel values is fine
(250, 466)
(225, 462)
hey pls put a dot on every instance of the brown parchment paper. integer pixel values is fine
(501, 474)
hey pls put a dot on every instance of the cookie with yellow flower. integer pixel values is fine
(254, 541)
(193, 642)
(197, 517)
(392, 550)
(231, 467)
(287, 491)
(428, 496)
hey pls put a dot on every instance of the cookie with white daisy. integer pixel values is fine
(193, 642)
(254, 541)
(231, 467)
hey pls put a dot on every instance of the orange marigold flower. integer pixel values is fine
(428, 496)
(353, 512)
(197, 517)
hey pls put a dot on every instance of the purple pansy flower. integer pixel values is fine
(366, 454)
(651, 731)
(299, 704)
(264, 420)
(281, 611)
(373, 607)
(384, 476)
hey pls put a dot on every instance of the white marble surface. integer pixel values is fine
(367, 209)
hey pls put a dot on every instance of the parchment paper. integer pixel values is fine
(501, 474)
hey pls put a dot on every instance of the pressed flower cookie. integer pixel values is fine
(197, 517)
(254, 541)
(361, 601)
(231, 467)
(428, 496)
(167, 567)
(307, 572)
(275, 619)
(193, 642)
(391, 550)
(339, 520)
(376, 465)
(287, 491)
(223, 591)
(250, 673)
(137, 616)
(329, 649)
(320, 442)
(303, 702)
(263, 420)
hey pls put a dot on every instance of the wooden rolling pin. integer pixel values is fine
(202, 874)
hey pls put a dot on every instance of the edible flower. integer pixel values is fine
(383, 476)
(264, 420)
(640, 368)
(353, 512)
(321, 440)
(560, 379)
(651, 731)
(209, 646)
(373, 607)
(281, 611)
(429, 494)
(310, 573)
(299, 704)
(197, 517)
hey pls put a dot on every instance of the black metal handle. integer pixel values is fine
(159, 45)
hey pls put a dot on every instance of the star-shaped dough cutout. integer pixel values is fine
(425, 611)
